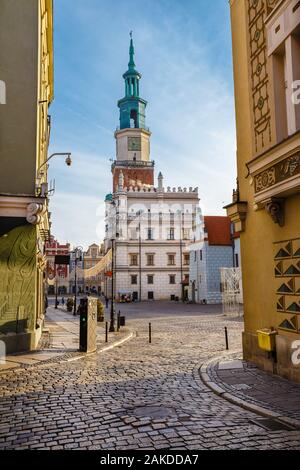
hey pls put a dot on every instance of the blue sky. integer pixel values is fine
(183, 50)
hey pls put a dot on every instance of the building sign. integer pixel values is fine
(62, 259)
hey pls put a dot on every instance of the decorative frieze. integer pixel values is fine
(277, 173)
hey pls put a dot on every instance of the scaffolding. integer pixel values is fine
(232, 291)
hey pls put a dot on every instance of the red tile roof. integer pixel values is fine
(217, 230)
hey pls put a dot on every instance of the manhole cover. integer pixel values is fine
(271, 424)
(153, 412)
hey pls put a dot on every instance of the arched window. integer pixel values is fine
(133, 118)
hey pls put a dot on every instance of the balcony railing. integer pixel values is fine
(132, 127)
(131, 163)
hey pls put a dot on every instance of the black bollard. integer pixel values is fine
(118, 320)
(226, 338)
(150, 336)
(106, 332)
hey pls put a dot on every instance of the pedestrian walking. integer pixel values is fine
(106, 302)
(63, 301)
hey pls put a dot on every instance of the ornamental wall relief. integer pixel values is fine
(258, 10)
(282, 171)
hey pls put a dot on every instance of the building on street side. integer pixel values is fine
(57, 275)
(26, 68)
(215, 247)
(91, 257)
(148, 226)
(266, 204)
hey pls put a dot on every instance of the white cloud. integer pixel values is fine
(77, 218)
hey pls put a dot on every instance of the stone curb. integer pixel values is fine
(57, 359)
(104, 348)
(221, 392)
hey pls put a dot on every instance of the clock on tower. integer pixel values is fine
(134, 143)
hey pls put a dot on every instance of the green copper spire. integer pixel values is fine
(131, 64)
(132, 107)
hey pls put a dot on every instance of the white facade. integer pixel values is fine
(154, 228)
(148, 227)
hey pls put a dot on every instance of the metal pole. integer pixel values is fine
(17, 321)
(181, 268)
(106, 331)
(112, 317)
(226, 338)
(56, 289)
(75, 281)
(140, 256)
(118, 321)
(150, 333)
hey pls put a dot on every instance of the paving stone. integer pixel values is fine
(93, 403)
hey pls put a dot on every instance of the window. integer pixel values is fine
(150, 278)
(134, 259)
(133, 233)
(133, 113)
(200, 255)
(171, 234)
(195, 256)
(150, 295)
(236, 260)
(150, 259)
(186, 259)
(134, 279)
(172, 278)
(284, 51)
(135, 295)
(186, 234)
(171, 259)
(149, 234)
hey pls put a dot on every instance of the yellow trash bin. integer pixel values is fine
(266, 339)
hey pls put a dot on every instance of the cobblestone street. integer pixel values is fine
(136, 396)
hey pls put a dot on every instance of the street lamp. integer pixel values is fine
(112, 304)
(56, 291)
(140, 212)
(57, 276)
(78, 255)
(65, 154)
(179, 212)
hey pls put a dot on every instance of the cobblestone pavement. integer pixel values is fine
(138, 396)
